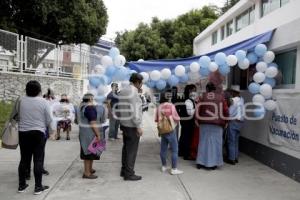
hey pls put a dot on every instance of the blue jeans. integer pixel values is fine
(113, 127)
(167, 139)
(234, 128)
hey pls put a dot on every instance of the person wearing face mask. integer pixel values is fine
(187, 122)
(130, 115)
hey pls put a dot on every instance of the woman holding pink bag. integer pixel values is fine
(88, 132)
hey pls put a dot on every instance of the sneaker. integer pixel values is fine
(176, 172)
(39, 190)
(132, 178)
(164, 168)
(22, 189)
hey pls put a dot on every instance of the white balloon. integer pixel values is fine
(145, 76)
(179, 70)
(213, 67)
(165, 73)
(140, 60)
(194, 66)
(258, 98)
(269, 56)
(120, 60)
(270, 105)
(155, 75)
(244, 64)
(231, 60)
(106, 61)
(266, 90)
(271, 72)
(99, 69)
(259, 77)
(261, 67)
(102, 90)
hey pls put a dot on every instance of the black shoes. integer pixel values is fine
(132, 178)
(45, 172)
(68, 138)
(231, 162)
(39, 190)
(122, 174)
(199, 166)
(22, 188)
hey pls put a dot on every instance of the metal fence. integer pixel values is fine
(29, 55)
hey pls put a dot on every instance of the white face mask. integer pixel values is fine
(193, 95)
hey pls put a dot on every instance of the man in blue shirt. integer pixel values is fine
(112, 101)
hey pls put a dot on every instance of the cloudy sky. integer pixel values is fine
(127, 14)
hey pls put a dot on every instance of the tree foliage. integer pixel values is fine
(166, 38)
(56, 21)
(228, 4)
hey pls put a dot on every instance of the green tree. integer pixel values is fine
(56, 21)
(167, 38)
(228, 4)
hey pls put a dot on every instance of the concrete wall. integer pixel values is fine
(13, 85)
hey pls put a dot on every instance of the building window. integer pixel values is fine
(229, 28)
(222, 33)
(214, 38)
(287, 67)
(270, 5)
(245, 19)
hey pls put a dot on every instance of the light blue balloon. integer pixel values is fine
(151, 84)
(204, 61)
(113, 52)
(252, 57)
(224, 69)
(184, 78)
(260, 50)
(120, 74)
(273, 65)
(220, 58)
(95, 81)
(161, 84)
(173, 80)
(103, 79)
(259, 112)
(204, 71)
(240, 54)
(254, 88)
(270, 81)
(100, 99)
(109, 80)
(110, 71)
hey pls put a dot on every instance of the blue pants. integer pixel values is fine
(113, 127)
(167, 139)
(234, 128)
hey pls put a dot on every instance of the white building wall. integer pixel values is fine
(286, 20)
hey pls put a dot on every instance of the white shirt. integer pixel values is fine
(189, 107)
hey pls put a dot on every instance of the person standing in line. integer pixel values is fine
(212, 112)
(89, 128)
(34, 119)
(130, 113)
(167, 109)
(236, 111)
(112, 101)
(187, 122)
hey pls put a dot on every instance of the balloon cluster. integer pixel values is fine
(111, 69)
(263, 79)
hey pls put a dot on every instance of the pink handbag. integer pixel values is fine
(97, 147)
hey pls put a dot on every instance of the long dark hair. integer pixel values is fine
(187, 90)
(163, 98)
(85, 100)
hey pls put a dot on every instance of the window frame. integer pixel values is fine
(227, 28)
(214, 37)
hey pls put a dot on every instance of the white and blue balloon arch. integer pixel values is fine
(159, 74)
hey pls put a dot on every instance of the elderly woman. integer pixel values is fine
(88, 130)
(211, 113)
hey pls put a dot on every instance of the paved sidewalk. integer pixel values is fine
(247, 180)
